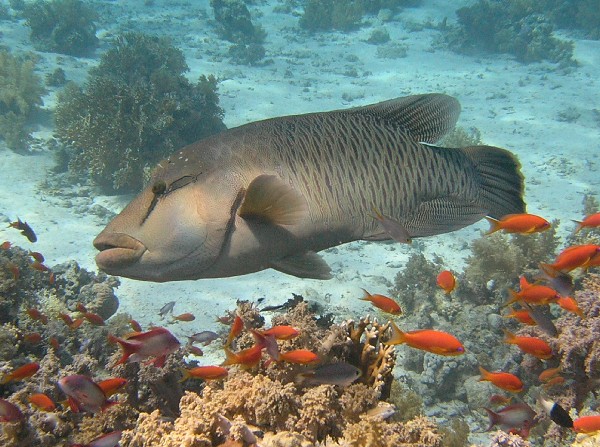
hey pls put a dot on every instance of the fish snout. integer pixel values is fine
(117, 250)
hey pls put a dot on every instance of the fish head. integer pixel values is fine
(174, 229)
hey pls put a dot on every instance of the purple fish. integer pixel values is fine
(157, 342)
(83, 394)
(9, 412)
(108, 440)
(517, 418)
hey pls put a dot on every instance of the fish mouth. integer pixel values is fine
(117, 250)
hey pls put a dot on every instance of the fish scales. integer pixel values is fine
(273, 192)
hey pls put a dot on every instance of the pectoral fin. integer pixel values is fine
(306, 265)
(269, 199)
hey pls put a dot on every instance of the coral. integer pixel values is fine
(20, 93)
(235, 22)
(503, 439)
(577, 346)
(57, 78)
(408, 404)
(461, 137)
(136, 108)
(62, 26)
(584, 440)
(416, 280)
(508, 27)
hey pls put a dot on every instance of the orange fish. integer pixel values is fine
(522, 316)
(5, 245)
(530, 345)
(503, 380)
(54, 343)
(93, 318)
(236, 329)
(300, 356)
(447, 281)
(281, 332)
(247, 358)
(518, 223)
(569, 304)
(382, 302)
(204, 373)
(39, 266)
(33, 337)
(185, 317)
(591, 221)
(22, 372)
(575, 256)
(587, 424)
(558, 380)
(73, 324)
(36, 315)
(533, 293)
(52, 278)
(135, 325)
(428, 340)
(42, 402)
(36, 255)
(81, 307)
(548, 373)
(195, 350)
(112, 386)
(14, 269)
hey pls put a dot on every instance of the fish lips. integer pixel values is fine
(117, 251)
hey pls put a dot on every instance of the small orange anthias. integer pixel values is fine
(591, 221)
(429, 340)
(42, 402)
(533, 293)
(503, 380)
(530, 345)
(573, 257)
(22, 372)
(204, 373)
(382, 302)
(447, 281)
(518, 223)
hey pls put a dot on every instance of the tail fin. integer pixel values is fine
(493, 417)
(398, 337)
(501, 178)
(128, 348)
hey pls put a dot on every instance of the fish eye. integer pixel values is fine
(159, 187)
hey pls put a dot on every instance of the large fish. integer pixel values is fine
(271, 194)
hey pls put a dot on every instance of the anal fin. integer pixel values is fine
(306, 265)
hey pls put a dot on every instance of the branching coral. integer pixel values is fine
(20, 93)
(135, 109)
(62, 26)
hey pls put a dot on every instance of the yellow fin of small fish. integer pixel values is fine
(271, 200)
(306, 265)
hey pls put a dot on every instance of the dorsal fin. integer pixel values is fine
(426, 117)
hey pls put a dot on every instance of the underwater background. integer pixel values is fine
(94, 93)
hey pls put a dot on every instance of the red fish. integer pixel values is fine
(514, 418)
(587, 424)
(533, 293)
(204, 373)
(42, 402)
(499, 399)
(281, 332)
(236, 329)
(518, 223)
(25, 229)
(247, 358)
(36, 315)
(429, 340)
(135, 325)
(9, 412)
(548, 373)
(36, 265)
(530, 345)
(569, 304)
(185, 317)
(554, 381)
(503, 380)
(93, 318)
(5, 245)
(15, 270)
(300, 356)
(447, 281)
(591, 221)
(112, 386)
(573, 257)
(157, 342)
(37, 256)
(522, 316)
(382, 302)
(83, 394)
(22, 372)
(33, 337)
(108, 440)
(195, 350)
